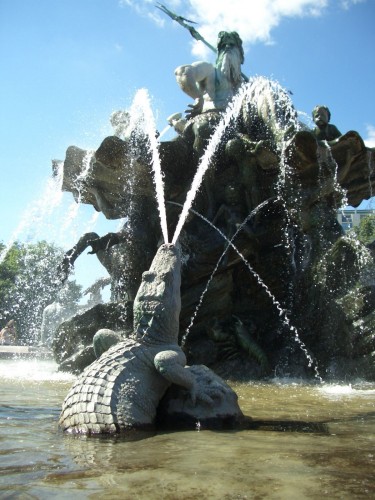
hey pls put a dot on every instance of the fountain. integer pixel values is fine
(270, 287)
(281, 298)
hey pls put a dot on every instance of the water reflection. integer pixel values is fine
(330, 451)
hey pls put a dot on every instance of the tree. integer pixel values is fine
(365, 231)
(8, 271)
(28, 283)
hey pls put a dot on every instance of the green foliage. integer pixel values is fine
(8, 270)
(365, 231)
(28, 284)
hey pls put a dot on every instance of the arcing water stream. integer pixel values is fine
(205, 161)
(142, 120)
(282, 312)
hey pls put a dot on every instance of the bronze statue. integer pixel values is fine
(324, 131)
(212, 86)
(284, 181)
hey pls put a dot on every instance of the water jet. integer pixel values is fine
(251, 155)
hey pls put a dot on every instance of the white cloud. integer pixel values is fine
(346, 4)
(144, 8)
(370, 139)
(147, 8)
(254, 20)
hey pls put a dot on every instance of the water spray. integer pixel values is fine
(145, 116)
(282, 312)
(232, 112)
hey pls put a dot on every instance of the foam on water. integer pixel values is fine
(334, 391)
(32, 370)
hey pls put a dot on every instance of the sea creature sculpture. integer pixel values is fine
(236, 339)
(122, 389)
(242, 142)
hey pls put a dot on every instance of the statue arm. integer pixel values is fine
(334, 132)
(196, 80)
(104, 243)
(171, 365)
(66, 266)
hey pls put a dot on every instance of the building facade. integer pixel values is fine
(351, 217)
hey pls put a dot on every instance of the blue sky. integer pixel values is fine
(67, 64)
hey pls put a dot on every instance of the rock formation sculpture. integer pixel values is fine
(285, 184)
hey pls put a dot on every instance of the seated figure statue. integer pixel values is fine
(324, 131)
(212, 86)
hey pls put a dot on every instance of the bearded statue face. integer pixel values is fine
(230, 57)
(229, 64)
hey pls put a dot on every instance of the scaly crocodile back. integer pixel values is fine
(122, 389)
(119, 391)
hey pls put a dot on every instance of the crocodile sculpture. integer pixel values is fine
(122, 389)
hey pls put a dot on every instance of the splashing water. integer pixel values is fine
(205, 161)
(141, 117)
(33, 370)
(270, 100)
(305, 120)
(42, 208)
(331, 162)
(275, 109)
(74, 207)
(282, 312)
(164, 131)
(91, 223)
(272, 104)
(86, 162)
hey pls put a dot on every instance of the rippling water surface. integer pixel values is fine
(312, 441)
